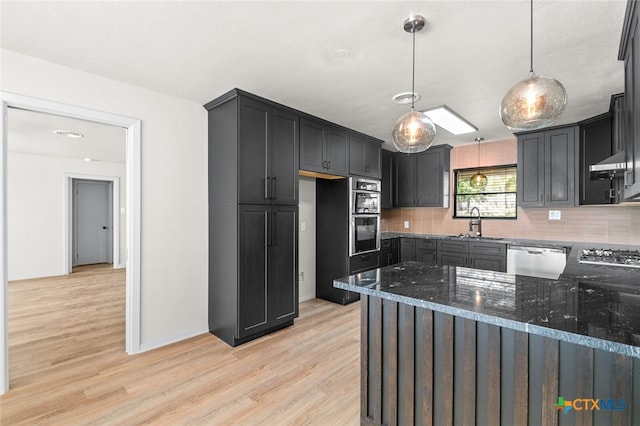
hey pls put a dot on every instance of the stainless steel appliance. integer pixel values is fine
(364, 216)
(542, 262)
(626, 258)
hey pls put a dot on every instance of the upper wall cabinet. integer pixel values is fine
(547, 170)
(323, 148)
(364, 156)
(630, 54)
(595, 146)
(267, 154)
(386, 190)
(422, 180)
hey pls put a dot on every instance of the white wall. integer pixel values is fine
(35, 222)
(173, 185)
(307, 238)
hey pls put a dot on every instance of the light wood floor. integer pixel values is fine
(68, 365)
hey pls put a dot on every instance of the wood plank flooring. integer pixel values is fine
(68, 364)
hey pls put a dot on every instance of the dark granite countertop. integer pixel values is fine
(594, 306)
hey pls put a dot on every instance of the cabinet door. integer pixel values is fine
(253, 152)
(386, 187)
(312, 137)
(364, 157)
(531, 170)
(452, 258)
(560, 158)
(429, 178)
(490, 263)
(283, 179)
(372, 166)
(395, 251)
(593, 149)
(252, 269)
(282, 297)
(407, 249)
(337, 151)
(428, 256)
(405, 180)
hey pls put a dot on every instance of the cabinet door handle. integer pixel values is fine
(274, 187)
(267, 228)
(267, 187)
(274, 230)
(328, 164)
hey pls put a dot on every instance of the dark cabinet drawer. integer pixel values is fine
(491, 249)
(424, 244)
(453, 245)
(364, 262)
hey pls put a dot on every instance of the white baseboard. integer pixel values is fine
(308, 297)
(158, 343)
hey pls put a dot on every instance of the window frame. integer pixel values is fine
(484, 168)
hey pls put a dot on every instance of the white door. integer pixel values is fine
(92, 222)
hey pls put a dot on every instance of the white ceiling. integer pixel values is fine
(292, 52)
(33, 133)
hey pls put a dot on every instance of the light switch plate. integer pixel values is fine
(555, 215)
(303, 226)
(406, 224)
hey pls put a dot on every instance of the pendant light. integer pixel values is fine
(414, 131)
(479, 180)
(535, 102)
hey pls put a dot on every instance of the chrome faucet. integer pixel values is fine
(477, 222)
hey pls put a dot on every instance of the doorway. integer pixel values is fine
(92, 220)
(132, 126)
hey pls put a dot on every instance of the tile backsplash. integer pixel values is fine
(617, 224)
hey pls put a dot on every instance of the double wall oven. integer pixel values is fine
(364, 216)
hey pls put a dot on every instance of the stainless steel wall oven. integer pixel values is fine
(364, 212)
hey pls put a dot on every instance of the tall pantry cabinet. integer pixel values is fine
(253, 216)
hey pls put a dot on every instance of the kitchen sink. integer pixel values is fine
(472, 237)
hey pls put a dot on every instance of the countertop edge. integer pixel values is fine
(566, 336)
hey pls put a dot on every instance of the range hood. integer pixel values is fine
(610, 167)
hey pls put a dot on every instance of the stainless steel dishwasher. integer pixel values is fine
(542, 262)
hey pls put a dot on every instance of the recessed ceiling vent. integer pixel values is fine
(405, 98)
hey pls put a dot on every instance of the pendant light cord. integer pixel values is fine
(413, 72)
(531, 51)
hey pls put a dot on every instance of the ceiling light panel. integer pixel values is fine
(446, 118)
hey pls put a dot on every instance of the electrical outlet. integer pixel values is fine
(300, 276)
(406, 224)
(555, 215)
(303, 226)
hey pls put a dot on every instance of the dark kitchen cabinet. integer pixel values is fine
(253, 242)
(408, 249)
(426, 251)
(630, 53)
(419, 250)
(268, 295)
(267, 154)
(389, 251)
(324, 148)
(421, 180)
(473, 254)
(547, 169)
(595, 145)
(386, 187)
(364, 156)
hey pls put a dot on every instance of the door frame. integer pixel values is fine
(132, 126)
(67, 216)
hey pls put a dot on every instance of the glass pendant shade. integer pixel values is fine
(478, 180)
(533, 103)
(413, 132)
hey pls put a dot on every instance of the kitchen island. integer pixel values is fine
(447, 344)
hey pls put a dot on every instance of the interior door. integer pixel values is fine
(92, 222)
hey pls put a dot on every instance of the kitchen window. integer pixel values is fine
(496, 200)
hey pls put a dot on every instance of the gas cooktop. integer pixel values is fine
(627, 258)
